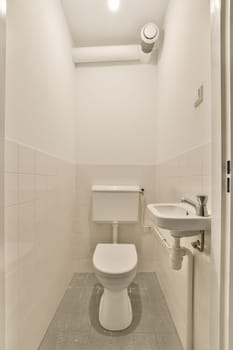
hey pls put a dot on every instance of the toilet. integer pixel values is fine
(115, 264)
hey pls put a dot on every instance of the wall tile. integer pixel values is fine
(80, 265)
(11, 189)
(39, 216)
(41, 186)
(201, 301)
(206, 159)
(41, 163)
(26, 188)
(189, 186)
(26, 229)
(11, 157)
(11, 238)
(206, 189)
(52, 166)
(13, 317)
(26, 160)
(190, 163)
(81, 246)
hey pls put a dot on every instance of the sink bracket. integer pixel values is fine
(200, 243)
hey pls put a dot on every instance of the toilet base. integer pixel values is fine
(115, 311)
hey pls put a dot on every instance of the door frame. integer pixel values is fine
(230, 327)
(222, 203)
(2, 134)
(221, 318)
(227, 65)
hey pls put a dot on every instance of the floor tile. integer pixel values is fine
(77, 341)
(145, 341)
(168, 341)
(54, 340)
(75, 325)
(97, 341)
(125, 342)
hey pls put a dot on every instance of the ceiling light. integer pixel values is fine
(3, 7)
(113, 5)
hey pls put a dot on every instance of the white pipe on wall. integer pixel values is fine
(189, 288)
(190, 301)
(120, 53)
(115, 226)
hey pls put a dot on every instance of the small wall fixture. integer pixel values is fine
(199, 99)
(149, 36)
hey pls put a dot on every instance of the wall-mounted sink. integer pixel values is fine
(178, 218)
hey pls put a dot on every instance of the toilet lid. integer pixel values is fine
(115, 258)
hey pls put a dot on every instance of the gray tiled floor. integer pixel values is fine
(75, 325)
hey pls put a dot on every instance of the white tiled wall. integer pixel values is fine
(49, 234)
(39, 223)
(186, 175)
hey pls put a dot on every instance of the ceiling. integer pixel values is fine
(91, 22)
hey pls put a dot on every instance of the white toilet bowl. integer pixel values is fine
(115, 266)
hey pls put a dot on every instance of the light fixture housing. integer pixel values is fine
(3, 8)
(113, 5)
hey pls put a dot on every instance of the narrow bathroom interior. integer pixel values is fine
(107, 125)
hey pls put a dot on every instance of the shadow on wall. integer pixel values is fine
(161, 44)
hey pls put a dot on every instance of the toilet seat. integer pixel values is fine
(115, 259)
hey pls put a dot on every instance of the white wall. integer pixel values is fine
(2, 120)
(182, 146)
(40, 76)
(115, 128)
(115, 114)
(183, 65)
(39, 175)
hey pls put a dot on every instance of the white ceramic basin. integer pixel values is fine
(178, 218)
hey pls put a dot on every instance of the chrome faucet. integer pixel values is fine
(200, 205)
